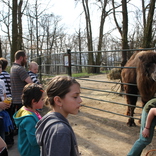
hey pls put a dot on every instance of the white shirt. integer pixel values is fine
(2, 89)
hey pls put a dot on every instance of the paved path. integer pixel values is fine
(13, 151)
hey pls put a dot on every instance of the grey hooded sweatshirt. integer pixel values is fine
(55, 136)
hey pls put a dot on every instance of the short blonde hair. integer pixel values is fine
(32, 63)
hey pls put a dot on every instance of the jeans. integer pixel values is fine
(142, 142)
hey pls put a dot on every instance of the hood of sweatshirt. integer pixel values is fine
(21, 114)
(45, 122)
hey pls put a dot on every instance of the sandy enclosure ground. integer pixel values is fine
(100, 133)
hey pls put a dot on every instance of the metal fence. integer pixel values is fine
(69, 63)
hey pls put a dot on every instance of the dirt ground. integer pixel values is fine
(100, 133)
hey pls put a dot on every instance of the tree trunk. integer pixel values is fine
(102, 21)
(89, 35)
(0, 48)
(14, 29)
(147, 39)
(124, 32)
(80, 62)
(20, 32)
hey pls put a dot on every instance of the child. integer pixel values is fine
(33, 70)
(5, 76)
(26, 119)
(53, 132)
(148, 123)
(5, 122)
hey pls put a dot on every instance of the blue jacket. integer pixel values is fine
(26, 121)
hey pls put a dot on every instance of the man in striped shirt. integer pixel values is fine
(19, 78)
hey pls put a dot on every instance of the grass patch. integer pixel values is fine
(76, 75)
(73, 75)
(82, 74)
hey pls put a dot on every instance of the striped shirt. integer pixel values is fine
(34, 77)
(5, 76)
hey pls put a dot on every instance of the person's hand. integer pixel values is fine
(4, 106)
(145, 133)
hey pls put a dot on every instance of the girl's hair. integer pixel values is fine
(4, 63)
(59, 86)
(31, 91)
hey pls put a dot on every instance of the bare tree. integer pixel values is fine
(124, 29)
(14, 47)
(147, 39)
(104, 13)
(89, 35)
(20, 43)
(7, 22)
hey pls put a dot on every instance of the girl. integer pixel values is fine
(26, 119)
(53, 133)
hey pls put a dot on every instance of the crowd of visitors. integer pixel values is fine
(50, 134)
(22, 117)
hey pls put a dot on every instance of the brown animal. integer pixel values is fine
(144, 76)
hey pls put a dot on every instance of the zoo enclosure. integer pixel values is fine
(56, 64)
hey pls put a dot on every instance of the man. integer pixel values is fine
(19, 78)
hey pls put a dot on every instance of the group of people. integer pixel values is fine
(37, 135)
(52, 133)
(11, 85)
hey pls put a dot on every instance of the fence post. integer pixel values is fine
(40, 75)
(69, 59)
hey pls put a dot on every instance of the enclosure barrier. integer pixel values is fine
(68, 64)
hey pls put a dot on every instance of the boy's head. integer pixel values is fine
(33, 66)
(31, 91)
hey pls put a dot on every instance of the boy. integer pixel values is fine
(33, 70)
(27, 117)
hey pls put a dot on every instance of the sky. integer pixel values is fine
(68, 11)
(70, 14)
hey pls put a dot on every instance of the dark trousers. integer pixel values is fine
(2, 131)
(14, 109)
(9, 137)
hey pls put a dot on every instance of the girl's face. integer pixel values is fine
(71, 101)
(40, 103)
